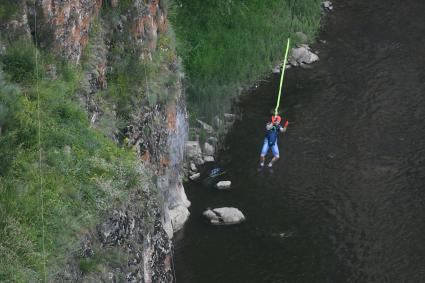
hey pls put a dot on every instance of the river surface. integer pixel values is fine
(346, 202)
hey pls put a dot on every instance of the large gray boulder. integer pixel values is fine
(224, 216)
(302, 55)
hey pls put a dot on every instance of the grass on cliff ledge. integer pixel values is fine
(227, 45)
(83, 172)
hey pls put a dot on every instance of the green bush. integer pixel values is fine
(8, 9)
(19, 62)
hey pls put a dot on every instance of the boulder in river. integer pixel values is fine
(224, 216)
(302, 55)
(195, 176)
(223, 185)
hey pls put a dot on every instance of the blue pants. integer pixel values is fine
(266, 146)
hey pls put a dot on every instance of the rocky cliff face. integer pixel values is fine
(97, 35)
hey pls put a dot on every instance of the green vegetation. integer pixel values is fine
(19, 62)
(227, 45)
(135, 80)
(8, 9)
(83, 173)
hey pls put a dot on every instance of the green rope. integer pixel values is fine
(281, 77)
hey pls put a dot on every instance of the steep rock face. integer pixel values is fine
(77, 31)
(65, 25)
(136, 235)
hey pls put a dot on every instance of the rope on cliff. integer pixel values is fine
(276, 110)
(39, 145)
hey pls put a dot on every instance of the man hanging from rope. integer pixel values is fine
(273, 129)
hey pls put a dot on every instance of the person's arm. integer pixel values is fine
(269, 126)
(284, 128)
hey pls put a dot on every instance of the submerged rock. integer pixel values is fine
(224, 216)
(223, 185)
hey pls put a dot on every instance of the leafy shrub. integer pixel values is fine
(19, 62)
(8, 9)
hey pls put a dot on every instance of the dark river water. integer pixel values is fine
(346, 202)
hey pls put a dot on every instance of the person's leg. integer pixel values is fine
(275, 151)
(264, 152)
